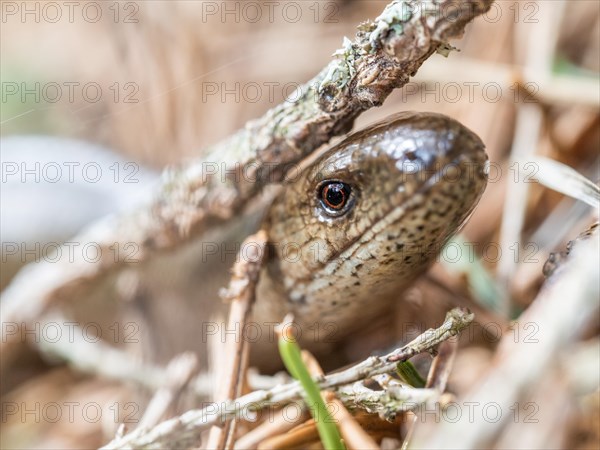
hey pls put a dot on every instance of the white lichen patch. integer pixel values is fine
(392, 17)
(342, 69)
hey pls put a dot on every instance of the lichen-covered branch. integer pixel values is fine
(388, 402)
(382, 57)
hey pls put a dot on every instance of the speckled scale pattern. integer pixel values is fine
(415, 178)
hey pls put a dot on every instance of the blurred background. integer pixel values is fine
(129, 88)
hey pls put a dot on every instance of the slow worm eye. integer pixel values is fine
(335, 197)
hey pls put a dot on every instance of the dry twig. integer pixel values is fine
(180, 372)
(241, 294)
(284, 420)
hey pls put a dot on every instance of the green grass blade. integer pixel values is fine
(292, 358)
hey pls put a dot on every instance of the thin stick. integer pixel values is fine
(180, 372)
(241, 293)
(285, 419)
(99, 358)
(301, 436)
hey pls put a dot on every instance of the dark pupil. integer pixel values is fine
(335, 195)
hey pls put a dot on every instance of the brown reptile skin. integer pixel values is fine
(414, 178)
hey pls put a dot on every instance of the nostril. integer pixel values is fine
(410, 166)
(465, 151)
(411, 155)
